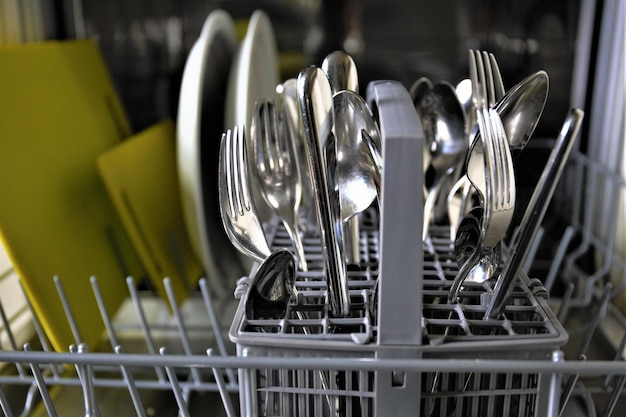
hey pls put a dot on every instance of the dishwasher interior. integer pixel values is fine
(558, 347)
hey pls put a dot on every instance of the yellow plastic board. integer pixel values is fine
(58, 112)
(140, 175)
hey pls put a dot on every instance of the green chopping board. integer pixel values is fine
(140, 175)
(58, 112)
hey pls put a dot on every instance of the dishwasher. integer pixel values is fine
(557, 348)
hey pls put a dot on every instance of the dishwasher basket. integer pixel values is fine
(528, 330)
(423, 324)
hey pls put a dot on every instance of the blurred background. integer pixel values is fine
(145, 42)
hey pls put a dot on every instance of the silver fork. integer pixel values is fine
(499, 208)
(237, 208)
(277, 168)
(492, 175)
(460, 192)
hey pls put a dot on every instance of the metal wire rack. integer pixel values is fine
(514, 367)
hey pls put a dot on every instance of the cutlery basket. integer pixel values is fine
(528, 330)
(411, 319)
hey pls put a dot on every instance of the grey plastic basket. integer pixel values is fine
(413, 318)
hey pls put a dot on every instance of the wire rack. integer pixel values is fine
(521, 366)
(525, 364)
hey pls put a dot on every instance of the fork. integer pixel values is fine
(277, 168)
(237, 208)
(492, 174)
(500, 198)
(457, 206)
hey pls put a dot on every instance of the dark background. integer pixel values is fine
(145, 43)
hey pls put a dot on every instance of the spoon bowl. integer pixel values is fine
(272, 287)
(356, 175)
(521, 107)
(476, 264)
(443, 123)
(341, 71)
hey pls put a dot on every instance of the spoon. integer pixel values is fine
(475, 265)
(356, 176)
(466, 248)
(419, 88)
(443, 123)
(288, 99)
(341, 71)
(342, 74)
(272, 287)
(315, 103)
(520, 109)
(271, 290)
(463, 91)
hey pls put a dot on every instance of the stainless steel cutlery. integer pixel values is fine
(470, 147)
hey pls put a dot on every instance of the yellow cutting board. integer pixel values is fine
(140, 175)
(58, 112)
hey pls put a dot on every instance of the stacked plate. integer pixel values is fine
(221, 83)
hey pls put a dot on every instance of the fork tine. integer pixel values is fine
(277, 140)
(473, 78)
(241, 160)
(226, 169)
(497, 77)
(499, 159)
(496, 91)
(234, 172)
(490, 94)
(488, 100)
(508, 161)
(285, 148)
(270, 138)
(482, 82)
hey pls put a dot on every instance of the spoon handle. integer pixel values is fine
(315, 104)
(535, 211)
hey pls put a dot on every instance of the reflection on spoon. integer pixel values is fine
(466, 247)
(272, 287)
(443, 123)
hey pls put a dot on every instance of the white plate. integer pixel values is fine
(200, 123)
(254, 74)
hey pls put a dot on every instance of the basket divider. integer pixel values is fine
(401, 252)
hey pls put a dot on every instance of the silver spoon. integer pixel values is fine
(287, 96)
(341, 71)
(475, 264)
(271, 290)
(356, 176)
(419, 89)
(316, 109)
(463, 91)
(443, 123)
(342, 74)
(521, 107)
(272, 287)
